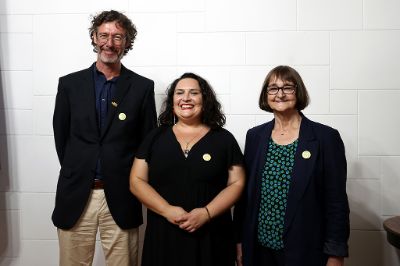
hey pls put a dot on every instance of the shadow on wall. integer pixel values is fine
(391, 203)
(4, 173)
(7, 246)
(367, 244)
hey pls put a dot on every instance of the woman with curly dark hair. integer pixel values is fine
(188, 173)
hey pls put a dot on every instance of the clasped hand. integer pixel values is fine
(188, 221)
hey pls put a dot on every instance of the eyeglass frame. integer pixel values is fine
(116, 38)
(291, 87)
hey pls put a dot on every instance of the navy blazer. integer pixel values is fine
(316, 223)
(80, 143)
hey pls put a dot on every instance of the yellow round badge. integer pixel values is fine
(206, 157)
(122, 116)
(306, 154)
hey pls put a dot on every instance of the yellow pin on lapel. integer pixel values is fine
(206, 157)
(306, 154)
(122, 116)
(114, 104)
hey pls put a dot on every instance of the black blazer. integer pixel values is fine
(79, 143)
(317, 213)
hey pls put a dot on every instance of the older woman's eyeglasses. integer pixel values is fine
(287, 89)
(117, 38)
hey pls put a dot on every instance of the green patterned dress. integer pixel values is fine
(276, 177)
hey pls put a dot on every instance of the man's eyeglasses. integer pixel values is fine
(117, 38)
(287, 89)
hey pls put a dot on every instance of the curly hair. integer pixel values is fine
(211, 115)
(285, 73)
(122, 20)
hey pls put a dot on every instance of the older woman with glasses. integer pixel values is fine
(294, 210)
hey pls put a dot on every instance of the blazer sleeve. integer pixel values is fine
(240, 206)
(148, 112)
(336, 202)
(61, 120)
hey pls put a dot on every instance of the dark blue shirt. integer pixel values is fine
(104, 91)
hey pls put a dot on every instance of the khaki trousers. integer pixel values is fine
(77, 245)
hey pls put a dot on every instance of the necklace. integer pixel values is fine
(186, 150)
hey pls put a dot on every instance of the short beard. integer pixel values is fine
(109, 60)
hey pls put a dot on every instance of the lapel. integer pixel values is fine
(261, 145)
(121, 88)
(302, 169)
(88, 93)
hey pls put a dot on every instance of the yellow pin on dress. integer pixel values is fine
(122, 116)
(206, 157)
(306, 154)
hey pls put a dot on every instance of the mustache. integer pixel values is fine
(112, 49)
(97, 49)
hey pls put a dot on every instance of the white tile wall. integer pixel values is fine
(330, 15)
(346, 51)
(365, 204)
(238, 126)
(287, 47)
(156, 40)
(210, 49)
(40, 168)
(364, 167)
(43, 109)
(382, 14)
(166, 6)
(60, 6)
(316, 80)
(36, 210)
(250, 15)
(17, 122)
(378, 112)
(373, 251)
(63, 39)
(161, 75)
(218, 77)
(39, 252)
(17, 89)
(15, 23)
(16, 51)
(358, 58)
(9, 201)
(191, 22)
(10, 233)
(390, 193)
(343, 102)
(246, 85)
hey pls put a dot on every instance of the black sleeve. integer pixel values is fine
(148, 112)
(61, 120)
(235, 155)
(240, 207)
(145, 148)
(336, 202)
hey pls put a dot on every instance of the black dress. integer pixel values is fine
(190, 183)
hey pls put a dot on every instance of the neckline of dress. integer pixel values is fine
(194, 145)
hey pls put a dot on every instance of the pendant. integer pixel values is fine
(186, 152)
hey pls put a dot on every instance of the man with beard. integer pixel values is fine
(101, 115)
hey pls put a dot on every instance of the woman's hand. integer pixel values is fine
(173, 213)
(239, 255)
(335, 261)
(193, 220)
